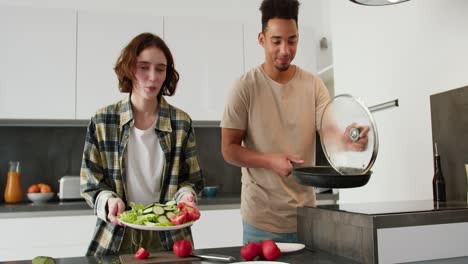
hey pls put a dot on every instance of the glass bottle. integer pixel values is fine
(438, 182)
(13, 190)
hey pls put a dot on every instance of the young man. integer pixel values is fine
(269, 123)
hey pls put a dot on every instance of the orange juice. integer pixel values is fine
(13, 190)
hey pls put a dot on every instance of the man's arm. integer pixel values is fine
(234, 153)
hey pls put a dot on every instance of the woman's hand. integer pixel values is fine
(189, 199)
(115, 207)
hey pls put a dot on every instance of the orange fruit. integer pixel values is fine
(44, 188)
(34, 189)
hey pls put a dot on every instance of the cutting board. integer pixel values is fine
(157, 257)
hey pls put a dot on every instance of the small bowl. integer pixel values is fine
(210, 191)
(38, 198)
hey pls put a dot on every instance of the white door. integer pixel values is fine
(37, 63)
(208, 55)
(101, 37)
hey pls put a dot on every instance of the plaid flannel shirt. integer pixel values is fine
(103, 168)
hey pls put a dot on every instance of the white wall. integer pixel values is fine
(407, 51)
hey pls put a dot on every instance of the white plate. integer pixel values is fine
(157, 228)
(290, 247)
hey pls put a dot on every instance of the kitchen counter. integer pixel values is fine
(301, 257)
(80, 207)
(387, 232)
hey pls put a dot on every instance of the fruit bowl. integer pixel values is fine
(40, 197)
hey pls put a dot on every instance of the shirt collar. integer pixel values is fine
(163, 122)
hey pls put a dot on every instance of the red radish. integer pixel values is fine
(270, 250)
(250, 251)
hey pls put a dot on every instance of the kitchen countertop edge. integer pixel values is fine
(80, 207)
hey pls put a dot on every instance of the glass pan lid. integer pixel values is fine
(346, 145)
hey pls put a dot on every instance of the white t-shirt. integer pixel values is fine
(144, 161)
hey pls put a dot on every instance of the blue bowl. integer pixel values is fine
(210, 191)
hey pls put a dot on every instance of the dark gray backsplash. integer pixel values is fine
(216, 171)
(48, 153)
(45, 154)
(449, 114)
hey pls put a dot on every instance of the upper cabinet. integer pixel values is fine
(101, 38)
(37, 65)
(208, 56)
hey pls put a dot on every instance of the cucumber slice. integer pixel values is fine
(170, 215)
(147, 223)
(170, 208)
(172, 202)
(148, 206)
(163, 219)
(158, 210)
(148, 210)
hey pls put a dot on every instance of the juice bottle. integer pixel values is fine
(13, 190)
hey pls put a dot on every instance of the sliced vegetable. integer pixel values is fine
(142, 254)
(179, 218)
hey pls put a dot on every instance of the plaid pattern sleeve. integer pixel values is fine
(103, 167)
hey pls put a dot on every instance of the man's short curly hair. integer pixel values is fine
(287, 9)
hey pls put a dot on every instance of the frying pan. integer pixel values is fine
(337, 176)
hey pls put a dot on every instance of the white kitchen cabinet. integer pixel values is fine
(101, 37)
(218, 228)
(57, 237)
(306, 54)
(208, 55)
(37, 65)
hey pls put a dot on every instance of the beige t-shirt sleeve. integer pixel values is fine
(236, 110)
(322, 97)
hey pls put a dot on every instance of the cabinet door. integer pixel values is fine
(58, 236)
(306, 54)
(37, 63)
(218, 228)
(209, 56)
(101, 38)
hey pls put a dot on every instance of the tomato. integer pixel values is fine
(250, 251)
(193, 213)
(179, 218)
(182, 248)
(141, 254)
(270, 250)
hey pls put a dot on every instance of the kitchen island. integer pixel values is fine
(387, 232)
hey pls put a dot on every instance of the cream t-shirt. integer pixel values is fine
(277, 118)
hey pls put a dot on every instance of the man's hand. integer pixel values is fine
(115, 207)
(282, 163)
(360, 144)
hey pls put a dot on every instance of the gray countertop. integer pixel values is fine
(301, 257)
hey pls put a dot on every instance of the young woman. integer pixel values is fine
(140, 149)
